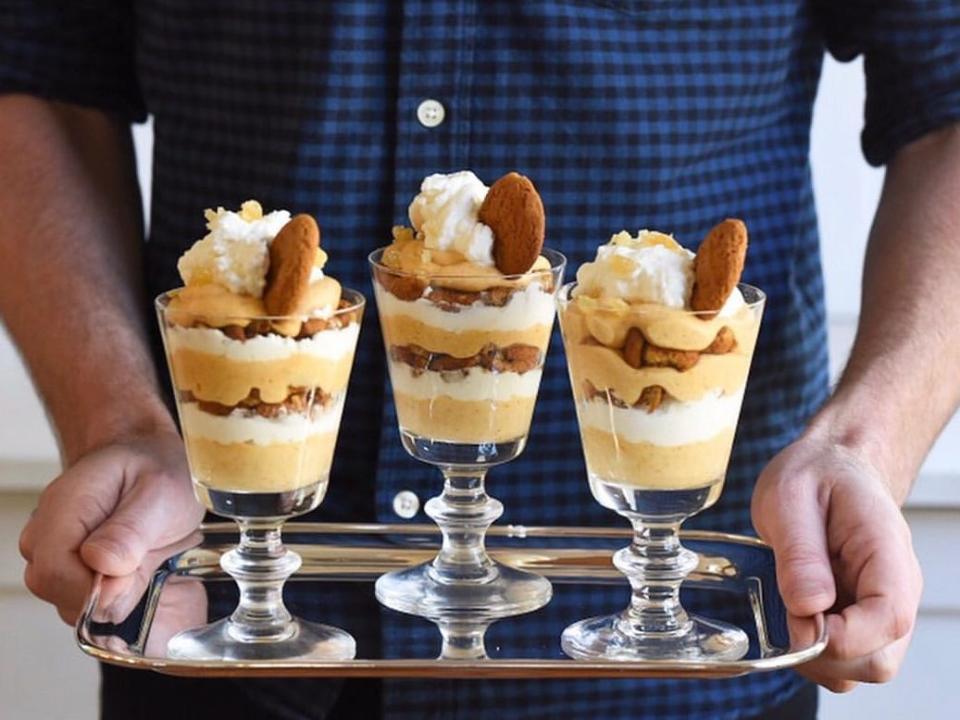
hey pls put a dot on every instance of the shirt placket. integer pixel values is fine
(433, 135)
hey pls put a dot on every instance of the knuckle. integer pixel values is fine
(800, 553)
(50, 574)
(881, 668)
(25, 544)
(840, 648)
(33, 581)
(88, 505)
(917, 579)
(901, 622)
(841, 687)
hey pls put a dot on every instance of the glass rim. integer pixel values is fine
(563, 296)
(557, 259)
(161, 303)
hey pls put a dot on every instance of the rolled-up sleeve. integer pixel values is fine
(911, 51)
(75, 51)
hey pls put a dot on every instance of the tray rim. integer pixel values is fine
(557, 668)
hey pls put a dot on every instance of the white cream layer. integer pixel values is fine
(673, 423)
(475, 384)
(241, 426)
(526, 308)
(330, 344)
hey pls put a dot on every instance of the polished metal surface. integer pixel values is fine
(342, 561)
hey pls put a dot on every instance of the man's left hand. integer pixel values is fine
(843, 548)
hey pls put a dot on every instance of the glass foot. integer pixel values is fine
(307, 641)
(607, 638)
(507, 592)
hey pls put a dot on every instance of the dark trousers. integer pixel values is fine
(145, 695)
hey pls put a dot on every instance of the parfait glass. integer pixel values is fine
(260, 401)
(465, 356)
(657, 429)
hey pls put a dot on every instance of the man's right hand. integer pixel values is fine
(105, 514)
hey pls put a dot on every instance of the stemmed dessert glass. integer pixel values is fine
(259, 412)
(676, 470)
(465, 368)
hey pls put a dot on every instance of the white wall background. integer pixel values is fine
(847, 192)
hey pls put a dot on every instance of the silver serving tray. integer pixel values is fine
(341, 562)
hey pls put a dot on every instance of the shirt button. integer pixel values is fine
(430, 113)
(406, 504)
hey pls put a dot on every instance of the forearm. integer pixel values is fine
(900, 385)
(69, 249)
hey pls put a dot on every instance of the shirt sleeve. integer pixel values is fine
(911, 51)
(75, 51)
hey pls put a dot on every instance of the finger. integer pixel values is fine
(119, 596)
(887, 591)
(841, 675)
(71, 504)
(149, 516)
(802, 630)
(813, 672)
(26, 540)
(803, 634)
(60, 579)
(69, 615)
(796, 529)
(55, 572)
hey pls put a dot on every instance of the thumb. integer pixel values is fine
(793, 522)
(146, 518)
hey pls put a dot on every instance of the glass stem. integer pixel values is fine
(656, 564)
(463, 512)
(260, 564)
(462, 641)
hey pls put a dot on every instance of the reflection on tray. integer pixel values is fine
(735, 581)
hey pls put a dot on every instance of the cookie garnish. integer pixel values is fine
(292, 256)
(718, 265)
(514, 211)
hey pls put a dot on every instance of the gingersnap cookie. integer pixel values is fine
(718, 265)
(651, 398)
(633, 348)
(724, 342)
(292, 256)
(514, 211)
(402, 287)
(682, 360)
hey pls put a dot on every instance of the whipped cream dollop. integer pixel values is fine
(444, 215)
(235, 252)
(651, 267)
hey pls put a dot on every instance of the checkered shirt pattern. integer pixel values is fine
(668, 114)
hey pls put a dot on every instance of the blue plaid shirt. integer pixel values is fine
(668, 114)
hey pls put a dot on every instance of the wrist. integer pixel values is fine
(111, 420)
(852, 424)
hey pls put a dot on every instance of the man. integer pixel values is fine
(627, 113)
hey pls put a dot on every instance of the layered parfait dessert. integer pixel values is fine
(659, 343)
(466, 299)
(260, 343)
(466, 302)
